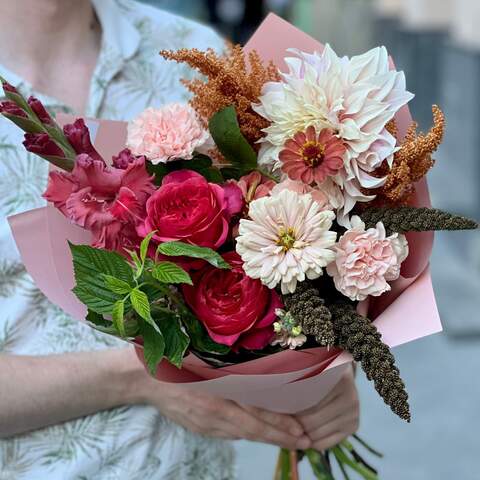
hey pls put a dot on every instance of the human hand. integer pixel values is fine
(213, 416)
(336, 417)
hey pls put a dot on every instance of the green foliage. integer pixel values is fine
(117, 317)
(141, 304)
(176, 340)
(230, 141)
(116, 285)
(153, 346)
(91, 266)
(181, 249)
(169, 272)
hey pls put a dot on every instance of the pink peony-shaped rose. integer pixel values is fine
(105, 200)
(235, 309)
(366, 260)
(171, 132)
(188, 208)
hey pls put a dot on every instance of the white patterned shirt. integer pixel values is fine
(124, 443)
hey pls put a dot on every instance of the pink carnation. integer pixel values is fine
(366, 260)
(171, 132)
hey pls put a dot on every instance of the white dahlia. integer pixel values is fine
(286, 240)
(355, 98)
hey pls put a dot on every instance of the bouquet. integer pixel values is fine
(244, 242)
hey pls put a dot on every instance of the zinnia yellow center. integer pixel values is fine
(313, 153)
(286, 238)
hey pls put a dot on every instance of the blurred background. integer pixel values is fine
(437, 43)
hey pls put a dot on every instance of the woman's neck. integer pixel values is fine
(43, 38)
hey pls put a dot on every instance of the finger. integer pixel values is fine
(255, 429)
(328, 413)
(329, 442)
(347, 424)
(280, 421)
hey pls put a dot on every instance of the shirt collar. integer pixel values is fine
(118, 32)
(120, 41)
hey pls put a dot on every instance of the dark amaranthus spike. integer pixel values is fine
(357, 335)
(308, 308)
(413, 219)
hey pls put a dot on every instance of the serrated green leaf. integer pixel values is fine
(176, 340)
(98, 301)
(144, 246)
(116, 285)
(89, 261)
(95, 318)
(141, 304)
(230, 141)
(153, 347)
(117, 317)
(169, 272)
(90, 267)
(181, 249)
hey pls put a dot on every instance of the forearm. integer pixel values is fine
(39, 391)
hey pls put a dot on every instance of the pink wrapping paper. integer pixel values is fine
(289, 381)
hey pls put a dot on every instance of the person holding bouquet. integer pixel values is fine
(75, 403)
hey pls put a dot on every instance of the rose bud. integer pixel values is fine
(37, 106)
(11, 108)
(42, 144)
(79, 137)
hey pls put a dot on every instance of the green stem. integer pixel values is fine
(285, 464)
(365, 445)
(319, 465)
(342, 458)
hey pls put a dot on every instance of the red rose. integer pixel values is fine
(189, 209)
(235, 309)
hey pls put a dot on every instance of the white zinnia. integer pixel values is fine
(355, 97)
(287, 240)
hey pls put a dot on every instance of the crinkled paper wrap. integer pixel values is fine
(289, 381)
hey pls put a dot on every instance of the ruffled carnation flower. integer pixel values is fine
(312, 157)
(287, 240)
(366, 260)
(171, 132)
(355, 98)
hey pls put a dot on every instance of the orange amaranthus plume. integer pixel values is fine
(411, 162)
(233, 79)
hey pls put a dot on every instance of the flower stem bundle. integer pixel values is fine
(357, 335)
(413, 219)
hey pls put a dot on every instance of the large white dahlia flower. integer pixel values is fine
(355, 97)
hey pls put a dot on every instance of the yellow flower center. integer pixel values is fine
(313, 153)
(286, 238)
